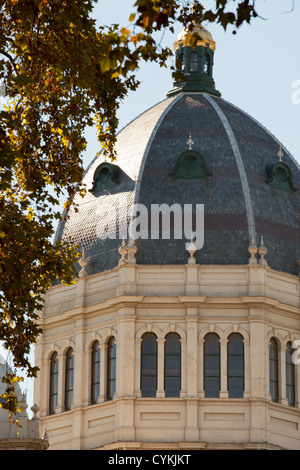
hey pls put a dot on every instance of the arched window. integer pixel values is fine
(111, 368)
(172, 365)
(53, 383)
(235, 366)
(211, 365)
(69, 379)
(290, 375)
(190, 165)
(273, 368)
(194, 62)
(149, 365)
(95, 373)
(206, 64)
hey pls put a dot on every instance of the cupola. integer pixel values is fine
(194, 51)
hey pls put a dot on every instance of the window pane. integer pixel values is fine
(212, 345)
(235, 366)
(172, 365)
(236, 387)
(172, 386)
(95, 383)
(148, 386)
(148, 365)
(212, 387)
(211, 365)
(69, 379)
(111, 369)
(194, 62)
(53, 395)
(273, 369)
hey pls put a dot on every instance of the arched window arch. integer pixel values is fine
(149, 365)
(273, 369)
(69, 379)
(172, 373)
(194, 58)
(212, 365)
(111, 368)
(95, 372)
(235, 366)
(53, 394)
(290, 374)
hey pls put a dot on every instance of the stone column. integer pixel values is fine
(282, 375)
(160, 392)
(126, 351)
(192, 350)
(183, 389)
(223, 371)
(61, 383)
(201, 392)
(247, 369)
(79, 369)
(103, 372)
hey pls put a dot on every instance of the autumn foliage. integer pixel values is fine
(62, 73)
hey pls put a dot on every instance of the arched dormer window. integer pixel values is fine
(190, 165)
(194, 59)
(53, 383)
(105, 177)
(279, 176)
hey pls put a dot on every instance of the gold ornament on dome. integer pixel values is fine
(204, 38)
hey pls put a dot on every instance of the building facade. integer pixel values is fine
(26, 434)
(182, 330)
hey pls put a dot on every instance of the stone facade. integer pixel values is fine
(191, 300)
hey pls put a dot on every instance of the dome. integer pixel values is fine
(191, 149)
(204, 38)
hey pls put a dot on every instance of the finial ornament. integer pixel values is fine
(262, 250)
(132, 249)
(123, 250)
(280, 154)
(190, 142)
(253, 250)
(83, 262)
(191, 249)
(35, 408)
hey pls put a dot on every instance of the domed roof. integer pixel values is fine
(193, 148)
(204, 37)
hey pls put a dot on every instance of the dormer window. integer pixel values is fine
(190, 165)
(279, 176)
(105, 177)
